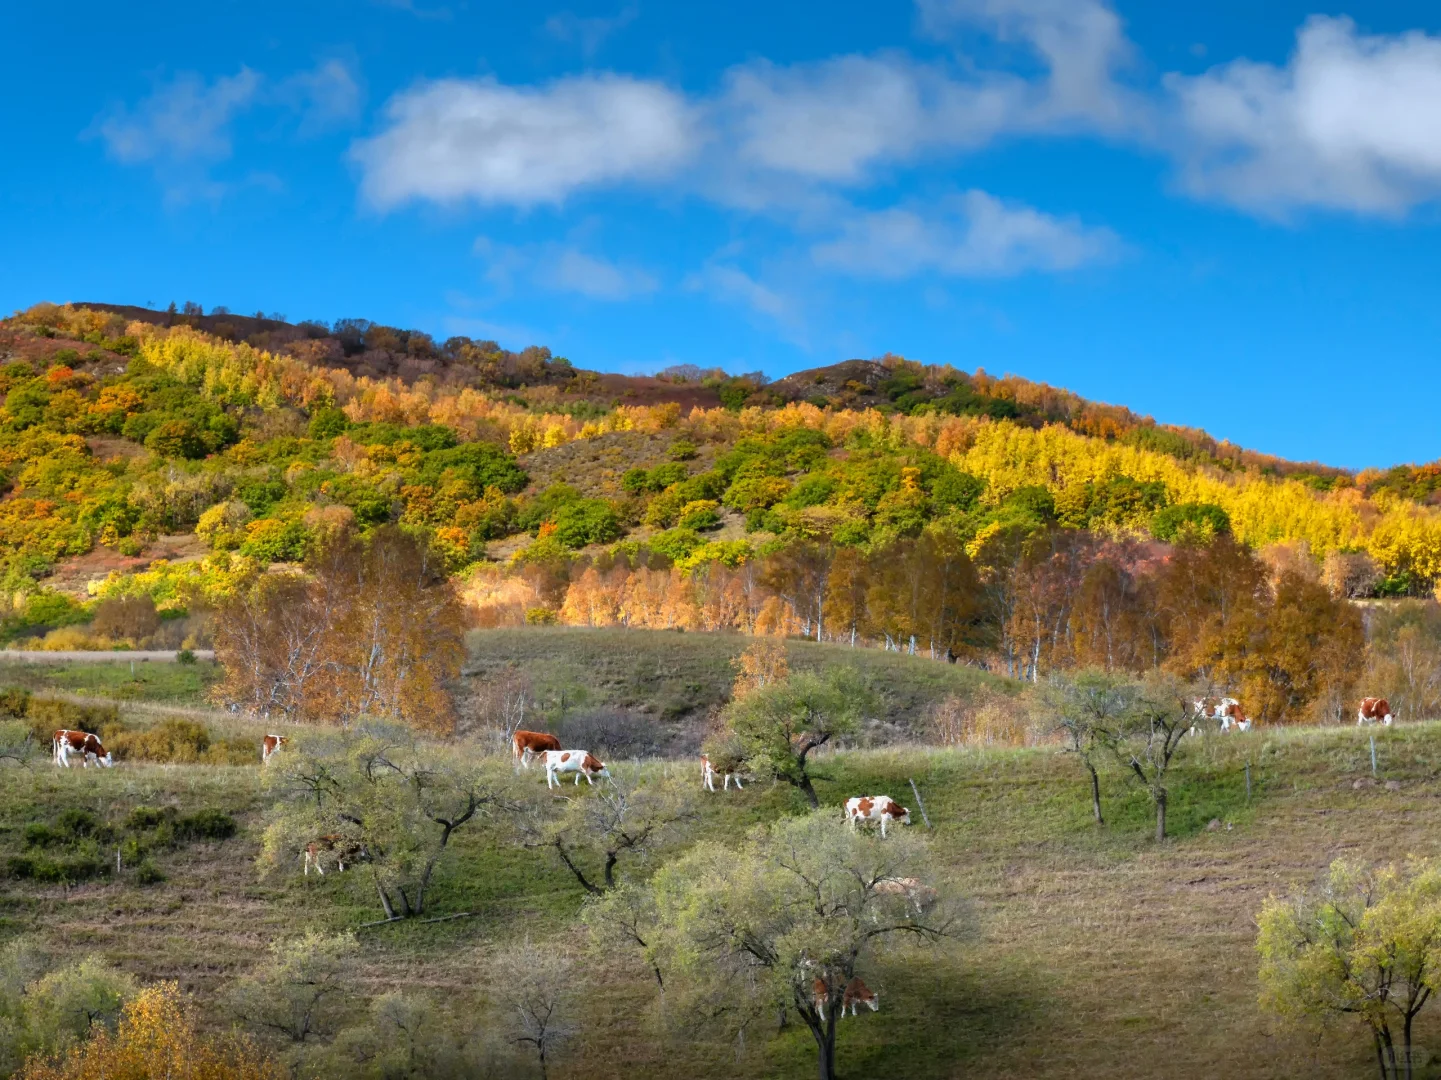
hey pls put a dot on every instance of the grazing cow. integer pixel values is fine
(921, 895)
(1232, 716)
(526, 744)
(821, 991)
(65, 742)
(579, 762)
(269, 745)
(343, 848)
(1374, 709)
(730, 770)
(880, 808)
(858, 993)
(1211, 708)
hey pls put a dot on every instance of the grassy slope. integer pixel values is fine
(1096, 953)
(162, 683)
(676, 675)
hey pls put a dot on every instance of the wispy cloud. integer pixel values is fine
(970, 235)
(477, 139)
(564, 269)
(187, 119)
(186, 125)
(730, 284)
(589, 32)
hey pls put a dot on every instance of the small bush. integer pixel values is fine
(185, 656)
(77, 822)
(38, 834)
(175, 740)
(57, 870)
(143, 818)
(207, 824)
(610, 733)
(147, 873)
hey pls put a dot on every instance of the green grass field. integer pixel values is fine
(674, 676)
(1095, 952)
(158, 682)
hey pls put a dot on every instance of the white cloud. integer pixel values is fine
(1351, 122)
(971, 235)
(834, 119)
(1081, 42)
(187, 119)
(589, 32)
(463, 139)
(563, 268)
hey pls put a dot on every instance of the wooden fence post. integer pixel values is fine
(924, 816)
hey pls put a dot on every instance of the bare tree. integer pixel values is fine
(536, 982)
(1091, 708)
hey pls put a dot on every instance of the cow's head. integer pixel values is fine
(108, 760)
(898, 813)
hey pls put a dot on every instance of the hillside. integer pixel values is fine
(175, 455)
(1093, 953)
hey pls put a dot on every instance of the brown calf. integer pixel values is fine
(526, 744)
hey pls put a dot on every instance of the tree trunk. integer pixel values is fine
(826, 1047)
(384, 899)
(1160, 816)
(1095, 793)
(1380, 1055)
(804, 783)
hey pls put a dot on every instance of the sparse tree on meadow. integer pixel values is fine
(1091, 709)
(595, 833)
(394, 803)
(1366, 943)
(782, 724)
(1151, 732)
(298, 993)
(741, 934)
(536, 986)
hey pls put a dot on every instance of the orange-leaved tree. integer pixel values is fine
(157, 1037)
(371, 628)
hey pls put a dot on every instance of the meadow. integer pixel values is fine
(1091, 952)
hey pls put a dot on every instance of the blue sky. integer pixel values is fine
(1222, 214)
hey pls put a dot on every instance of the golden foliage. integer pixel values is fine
(763, 664)
(157, 1037)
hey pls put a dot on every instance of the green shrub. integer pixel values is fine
(185, 656)
(147, 873)
(149, 817)
(207, 824)
(57, 870)
(1189, 520)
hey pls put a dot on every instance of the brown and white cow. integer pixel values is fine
(1232, 716)
(527, 744)
(65, 742)
(1212, 708)
(1374, 709)
(269, 745)
(858, 993)
(914, 891)
(580, 762)
(880, 808)
(709, 769)
(821, 992)
(343, 848)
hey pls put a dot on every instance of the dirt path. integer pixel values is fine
(164, 656)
